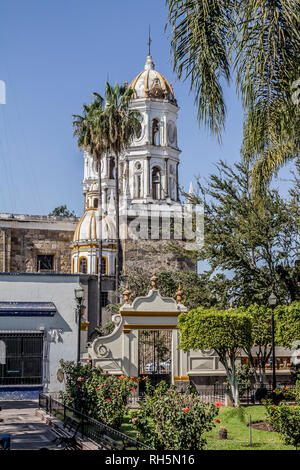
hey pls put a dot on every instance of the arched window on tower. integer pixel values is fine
(112, 168)
(96, 203)
(138, 185)
(156, 183)
(83, 265)
(155, 132)
(103, 265)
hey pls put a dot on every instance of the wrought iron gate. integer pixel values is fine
(155, 355)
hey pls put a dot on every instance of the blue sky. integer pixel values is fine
(54, 54)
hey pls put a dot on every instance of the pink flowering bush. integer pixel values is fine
(285, 419)
(169, 420)
(96, 393)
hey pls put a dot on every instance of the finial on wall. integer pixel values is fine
(126, 294)
(154, 281)
(179, 293)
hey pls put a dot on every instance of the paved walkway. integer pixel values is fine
(27, 431)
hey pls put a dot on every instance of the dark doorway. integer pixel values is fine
(155, 356)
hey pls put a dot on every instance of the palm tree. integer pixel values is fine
(88, 132)
(258, 41)
(119, 124)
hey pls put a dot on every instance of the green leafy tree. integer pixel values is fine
(226, 332)
(244, 379)
(62, 211)
(257, 42)
(287, 318)
(198, 289)
(245, 241)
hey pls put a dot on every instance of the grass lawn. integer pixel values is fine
(238, 431)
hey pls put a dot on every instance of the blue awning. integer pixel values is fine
(27, 309)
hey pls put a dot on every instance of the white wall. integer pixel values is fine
(58, 289)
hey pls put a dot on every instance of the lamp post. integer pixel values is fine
(272, 303)
(79, 298)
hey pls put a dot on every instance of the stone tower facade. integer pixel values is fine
(148, 188)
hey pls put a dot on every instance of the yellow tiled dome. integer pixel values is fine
(88, 228)
(152, 84)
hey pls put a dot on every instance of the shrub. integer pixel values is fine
(169, 420)
(285, 419)
(100, 395)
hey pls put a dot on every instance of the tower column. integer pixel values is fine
(166, 182)
(177, 188)
(148, 176)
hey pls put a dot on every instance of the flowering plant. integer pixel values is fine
(285, 419)
(168, 419)
(99, 394)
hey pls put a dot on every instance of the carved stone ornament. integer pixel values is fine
(102, 351)
(155, 90)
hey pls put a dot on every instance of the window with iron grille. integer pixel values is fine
(45, 262)
(21, 359)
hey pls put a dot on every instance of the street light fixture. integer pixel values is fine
(272, 303)
(79, 297)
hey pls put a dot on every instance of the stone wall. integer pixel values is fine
(23, 238)
(153, 255)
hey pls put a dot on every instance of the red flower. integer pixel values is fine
(108, 399)
(218, 404)
(133, 389)
(106, 373)
(101, 385)
(186, 410)
(286, 388)
(134, 419)
(132, 378)
(80, 379)
(273, 406)
(218, 421)
(293, 406)
(117, 391)
(78, 386)
(121, 377)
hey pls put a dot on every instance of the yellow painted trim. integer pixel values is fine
(87, 264)
(90, 226)
(163, 81)
(146, 84)
(127, 313)
(73, 265)
(106, 264)
(133, 83)
(95, 234)
(128, 328)
(76, 246)
(76, 234)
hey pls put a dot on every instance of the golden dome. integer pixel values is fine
(152, 84)
(88, 228)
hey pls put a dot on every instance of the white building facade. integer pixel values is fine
(38, 328)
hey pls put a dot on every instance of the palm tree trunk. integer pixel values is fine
(99, 303)
(117, 226)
